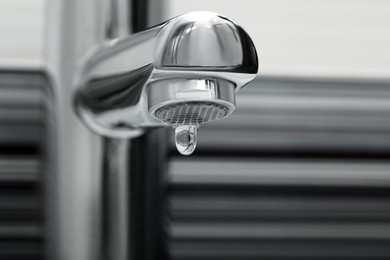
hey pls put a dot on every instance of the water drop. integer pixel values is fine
(185, 139)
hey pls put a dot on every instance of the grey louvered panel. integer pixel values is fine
(276, 230)
(279, 209)
(292, 141)
(22, 250)
(21, 97)
(239, 199)
(280, 250)
(248, 208)
(19, 202)
(20, 231)
(220, 172)
(21, 115)
(20, 169)
(23, 133)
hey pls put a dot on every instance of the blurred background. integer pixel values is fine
(300, 171)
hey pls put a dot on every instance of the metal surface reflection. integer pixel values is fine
(192, 49)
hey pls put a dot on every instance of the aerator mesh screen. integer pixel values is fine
(191, 113)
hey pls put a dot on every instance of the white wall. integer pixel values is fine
(326, 38)
(21, 33)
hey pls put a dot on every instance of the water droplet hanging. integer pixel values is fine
(185, 139)
(186, 118)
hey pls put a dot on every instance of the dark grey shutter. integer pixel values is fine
(301, 171)
(23, 136)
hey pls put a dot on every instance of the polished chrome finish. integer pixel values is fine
(192, 113)
(199, 56)
(169, 92)
(118, 21)
(116, 197)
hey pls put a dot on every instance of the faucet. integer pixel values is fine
(183, 73)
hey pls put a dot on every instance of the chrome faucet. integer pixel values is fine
(183, 73)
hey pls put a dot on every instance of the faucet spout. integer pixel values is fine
(185, 71)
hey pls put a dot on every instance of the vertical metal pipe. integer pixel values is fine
(115, 217)
(73, 27)
(119, 19)
(115, 199)
(90, 206)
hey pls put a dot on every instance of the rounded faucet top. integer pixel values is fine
(205, 41)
